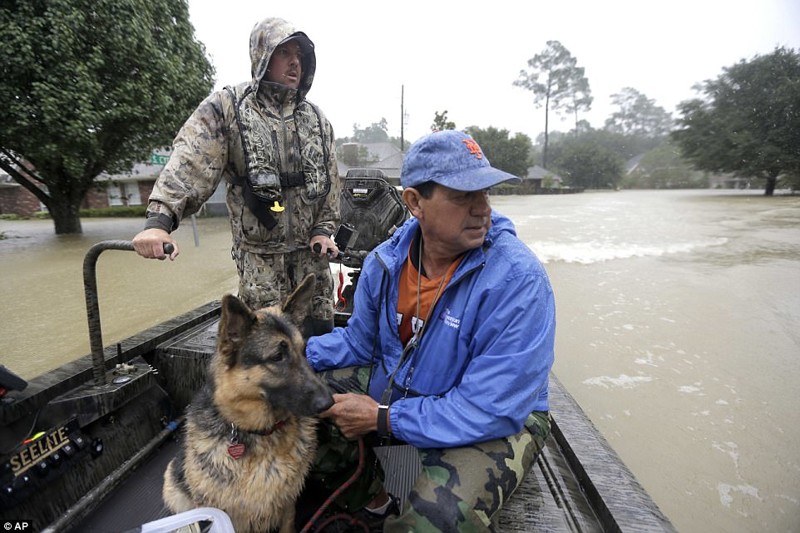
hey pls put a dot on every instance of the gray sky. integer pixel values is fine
(464, 56)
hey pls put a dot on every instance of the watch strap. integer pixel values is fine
(383, 420)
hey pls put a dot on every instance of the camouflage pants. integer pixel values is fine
(459, 489)
(266, 280)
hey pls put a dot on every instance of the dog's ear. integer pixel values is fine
(298, 304)
(235, 323)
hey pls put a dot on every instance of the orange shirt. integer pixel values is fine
(429, 290)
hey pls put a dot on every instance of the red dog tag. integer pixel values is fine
(236, 450)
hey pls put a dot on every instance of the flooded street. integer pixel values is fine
(678, 329)
(678, 335)
(43, 322)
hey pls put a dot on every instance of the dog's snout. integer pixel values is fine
(322, 402)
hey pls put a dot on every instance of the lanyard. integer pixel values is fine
(417, 335)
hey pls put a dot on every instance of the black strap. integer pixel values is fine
(292, 179)
(253, 203)
(259, 206)
(256, 205)
(383, 421)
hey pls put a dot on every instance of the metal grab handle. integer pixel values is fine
(350, 254)
(318, 248)
(92, 306)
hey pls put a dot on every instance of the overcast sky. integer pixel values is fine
(464, 56)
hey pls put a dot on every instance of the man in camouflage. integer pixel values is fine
(449, 349)
(274, 150)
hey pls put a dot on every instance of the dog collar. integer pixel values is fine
(263, 432)
(236, 449)
(269, 431)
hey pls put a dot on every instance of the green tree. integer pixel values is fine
(89, 86)
(638, 115)
(664, 168)
(580, 98)
(625, 146)
(376, 132)
(791, 181)
(441, 123)
(511, 154)
(748, 123)
(354, 154)
(557, 83)
(397, 141)
(589, 164)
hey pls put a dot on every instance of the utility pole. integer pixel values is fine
(402, 118)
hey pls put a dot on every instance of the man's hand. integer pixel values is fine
(326, 246)
(150, 244)
(355, 414)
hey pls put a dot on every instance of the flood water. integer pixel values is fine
(44, 323)
(678, 329)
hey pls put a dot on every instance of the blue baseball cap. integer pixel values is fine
(453, 159)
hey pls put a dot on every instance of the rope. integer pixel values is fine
(351, 521)
(327, 503)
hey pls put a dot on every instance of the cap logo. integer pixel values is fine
(473, 148)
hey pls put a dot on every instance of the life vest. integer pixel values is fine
(266, 158)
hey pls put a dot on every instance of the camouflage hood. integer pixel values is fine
(265, 38)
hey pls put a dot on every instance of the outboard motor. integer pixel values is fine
(372, 209)
(371, 206)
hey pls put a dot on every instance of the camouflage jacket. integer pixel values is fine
(258, 135)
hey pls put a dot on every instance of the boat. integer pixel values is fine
(83, 448)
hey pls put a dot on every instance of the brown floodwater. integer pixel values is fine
(43, 319)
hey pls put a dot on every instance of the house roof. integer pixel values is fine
(384, 156)
(382, 150)
(632, 163)
(141, 171)
(538, 173)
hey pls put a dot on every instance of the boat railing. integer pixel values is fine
(92, 305)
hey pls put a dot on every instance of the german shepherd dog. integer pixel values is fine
(250, 434)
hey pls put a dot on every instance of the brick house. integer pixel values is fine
(125, 189)
(16, 199)
(128, 188)
(134, 187)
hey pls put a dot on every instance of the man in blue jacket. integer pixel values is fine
(449, 346)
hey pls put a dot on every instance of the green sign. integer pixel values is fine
(157, 159)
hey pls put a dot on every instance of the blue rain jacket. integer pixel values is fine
(483, 361)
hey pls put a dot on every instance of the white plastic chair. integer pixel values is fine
(220, 521)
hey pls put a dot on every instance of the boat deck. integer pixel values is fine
(545, 502)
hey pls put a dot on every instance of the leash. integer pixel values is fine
(341, 302)
(327, 503)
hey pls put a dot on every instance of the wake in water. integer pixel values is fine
(590, 252)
